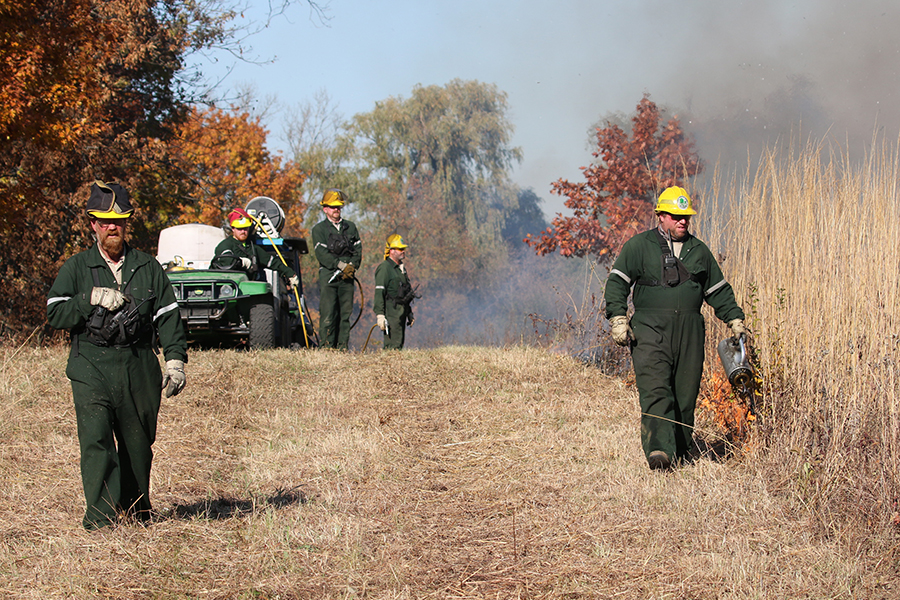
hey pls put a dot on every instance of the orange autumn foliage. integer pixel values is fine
(617, 197)
(224, 155)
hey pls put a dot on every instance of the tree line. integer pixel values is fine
(94, 89)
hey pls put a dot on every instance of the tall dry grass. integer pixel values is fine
(812, 249)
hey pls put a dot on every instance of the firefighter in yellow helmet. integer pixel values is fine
(339, 252)
(393, 294)
(672, 273)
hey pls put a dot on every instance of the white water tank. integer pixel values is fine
(191, 246)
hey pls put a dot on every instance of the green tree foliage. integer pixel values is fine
(529, 217)
(445, 144)
(435, 168)
(616, 198)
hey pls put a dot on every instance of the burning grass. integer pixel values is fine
(458, 472)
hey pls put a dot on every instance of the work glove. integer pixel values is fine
(246, 263)
(737, 327)
(382, 322)
(348, 270)
(294, 281)
(173, 379)
(621, 330)
(108, 298)
(410, 320)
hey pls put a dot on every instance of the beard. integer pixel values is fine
(112, 244)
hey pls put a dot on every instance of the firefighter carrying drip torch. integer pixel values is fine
(339, 252)
(672, 274)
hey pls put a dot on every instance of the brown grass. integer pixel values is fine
(459, 472)
(812, 251)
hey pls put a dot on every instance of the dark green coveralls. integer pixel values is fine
(259, 258)
(335, 292)
(669, 333)
(117, 390)
(389, 278)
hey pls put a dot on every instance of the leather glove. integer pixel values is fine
(621, 330)
(348, 270)
(737, 327)
(173, 379)
(108, 298)
(246, 263)
(410, 321)
(294, 281)
(382, 322)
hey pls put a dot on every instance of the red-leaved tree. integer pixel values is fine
(617, 197)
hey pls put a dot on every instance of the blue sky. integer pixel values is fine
(567, 63)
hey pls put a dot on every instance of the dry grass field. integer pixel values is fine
(459, 472)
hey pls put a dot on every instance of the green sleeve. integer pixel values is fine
(622, 276)
(167, 317)
(719, 293)
(69, 301)
(272, 261)
(223, 247)
(381, 283)
(356, 244)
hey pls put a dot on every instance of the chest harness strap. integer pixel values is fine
(674, 273)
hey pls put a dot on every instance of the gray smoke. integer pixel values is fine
(758, 72)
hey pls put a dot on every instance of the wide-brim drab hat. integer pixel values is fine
(108, 201)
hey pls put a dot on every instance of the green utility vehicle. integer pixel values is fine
(221, 306)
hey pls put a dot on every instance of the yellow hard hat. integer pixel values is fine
(333, 197)
(394, 242)
(675, 201)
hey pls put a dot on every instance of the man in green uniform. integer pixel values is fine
(115, 301)
(672, 273)
(339, 251)
(393, 294)
(239, 252)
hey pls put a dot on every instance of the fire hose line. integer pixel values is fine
(296, 293)
(362, 302)
(368, 337)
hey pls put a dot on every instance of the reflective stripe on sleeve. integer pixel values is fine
(379, 287)
(165, 309)
(715, 287)
(58, 299)
(622, 275)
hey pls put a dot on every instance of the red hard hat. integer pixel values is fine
(239, 219)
